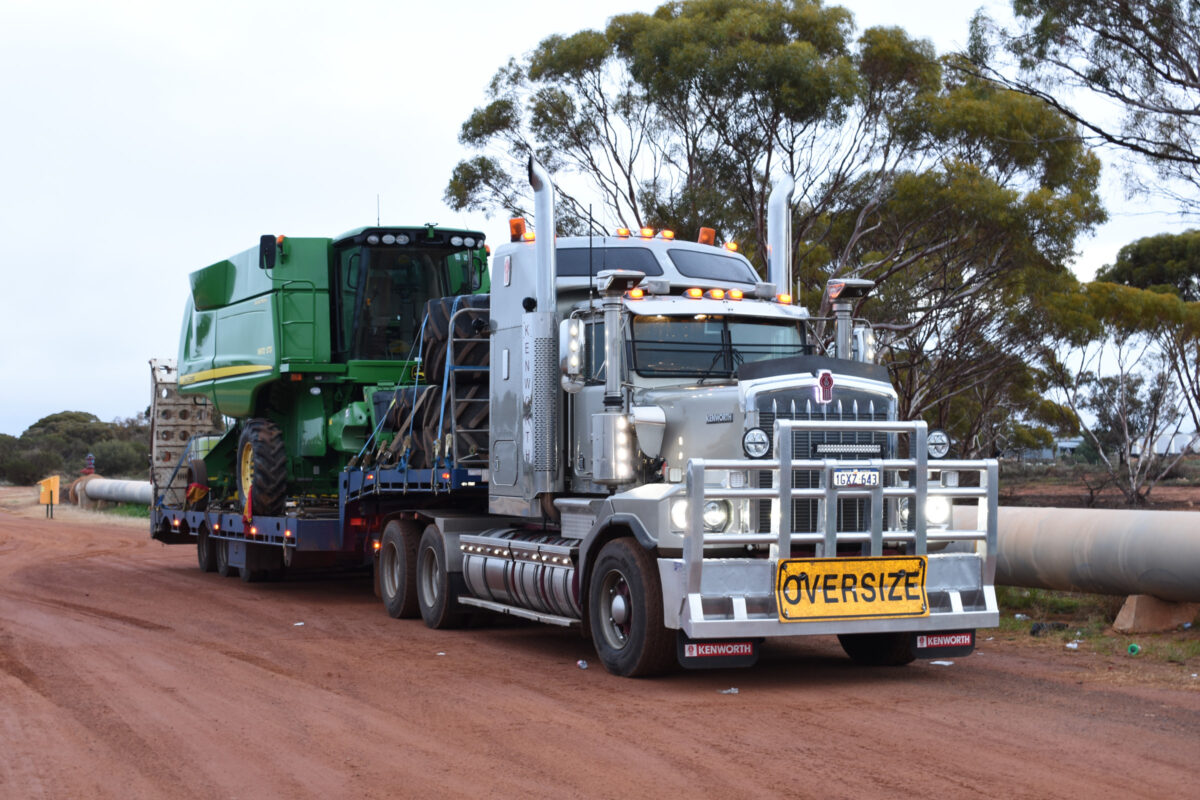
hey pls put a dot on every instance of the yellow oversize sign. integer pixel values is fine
(812, 589)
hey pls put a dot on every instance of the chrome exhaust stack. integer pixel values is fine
(779, 234)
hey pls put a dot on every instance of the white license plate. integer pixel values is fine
(855, 477)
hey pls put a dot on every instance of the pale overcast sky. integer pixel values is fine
(142, 140)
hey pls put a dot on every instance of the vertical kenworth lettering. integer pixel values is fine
(683, 464)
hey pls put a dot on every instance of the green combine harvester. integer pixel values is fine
(308, 344)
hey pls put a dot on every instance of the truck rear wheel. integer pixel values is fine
(436, 593)
(878, 649)
(262, 468)
(222, 555)
(626, 613)
(206, 551)
(398, 571)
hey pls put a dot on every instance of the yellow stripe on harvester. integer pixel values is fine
(221, 372)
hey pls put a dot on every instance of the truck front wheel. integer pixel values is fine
(398, 571)
(878, 649)
(262, 468)
(626, 612)
(436, 593)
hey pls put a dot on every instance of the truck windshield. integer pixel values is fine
(710, 346)
(381, 296)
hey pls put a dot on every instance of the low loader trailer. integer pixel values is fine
(629, 435)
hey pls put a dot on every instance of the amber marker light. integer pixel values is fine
(516, 229)
(707, 236)
(735, 294)
(695, 294)
(716, 294)
(253, 530)
(636, 294)
(175, 522)
(279, 239)
(731, 247)
(445, 476)
(622, 233)
(527, 236)
(667, 234)
(647, 233)
(377, 544)
(786, 299)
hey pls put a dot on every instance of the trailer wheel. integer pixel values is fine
(878, 649)
(626, 613)
(398, 571)
(436, 594)
(262, 468)
(222, 555)
(206, 551)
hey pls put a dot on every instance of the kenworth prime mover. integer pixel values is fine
(631, 435)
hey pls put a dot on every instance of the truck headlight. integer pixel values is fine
(756, 442)
(679, 514)
(937, 510)
(716, 515)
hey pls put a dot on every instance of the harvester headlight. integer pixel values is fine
(937, 510)
(756, 443)
(716, 515)
(373, 239)
(469, 241)
(401, 238)
(389, 238)
(456, 241)
(679, 514)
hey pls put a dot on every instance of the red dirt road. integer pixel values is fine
(125, 672)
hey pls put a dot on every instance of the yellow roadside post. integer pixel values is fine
(49, 493)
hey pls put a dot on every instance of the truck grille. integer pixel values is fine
(854, 514)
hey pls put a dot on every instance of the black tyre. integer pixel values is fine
(262, 468)
(197, 473)
(437, 595)
(206, 551)
(878, 649)
(252, 575)
(626, 613)
(398, 571)
(222, 555)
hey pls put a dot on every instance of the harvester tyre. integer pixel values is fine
(206, 551)
(878, 649)
(626, 612)
(262, 468)
(398, 571)
(197, 473)
(437, 592)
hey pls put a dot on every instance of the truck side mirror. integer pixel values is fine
(266, 251)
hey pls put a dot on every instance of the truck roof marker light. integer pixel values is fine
(527, 236)
(735, 294)
(731, 247)
(622, 233)
(785, 298)
(647, 233)
(516, 229)
(666, 234)
(707, 236)
(716, 294)
(695, 293)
